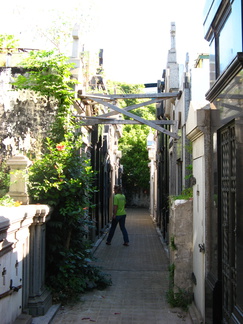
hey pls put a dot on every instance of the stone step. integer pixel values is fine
(23, 319)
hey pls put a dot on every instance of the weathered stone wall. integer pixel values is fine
(138, 199)
(181, 246)
(25, 118)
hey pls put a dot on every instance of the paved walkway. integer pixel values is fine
(140, 280)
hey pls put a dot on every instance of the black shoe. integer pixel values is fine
(108, 243)
(126, 244)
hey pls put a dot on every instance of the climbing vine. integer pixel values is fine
(177, 297)
(63, 179)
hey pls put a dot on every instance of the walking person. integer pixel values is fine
(119, 216)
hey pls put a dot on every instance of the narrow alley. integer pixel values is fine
(140, 280)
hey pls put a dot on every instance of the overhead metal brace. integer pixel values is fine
(90, 121)
(112, 97)
(135, 117)
(141, 104)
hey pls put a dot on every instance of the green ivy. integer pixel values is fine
(78, 275)
(63, 179)
(7, 201)
(177, 297)
(4, 177)
(186, 194)
(181, 298)
(172, 243)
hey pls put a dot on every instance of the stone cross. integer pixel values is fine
(76, 34)
(173, 35)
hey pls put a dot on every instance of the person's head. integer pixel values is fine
(117, 189)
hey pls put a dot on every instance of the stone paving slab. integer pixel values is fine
(139, 281)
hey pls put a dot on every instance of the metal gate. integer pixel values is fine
(228, 217)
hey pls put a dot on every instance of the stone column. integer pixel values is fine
(76, 34)
(18, 178)
(77, 71)
(39, 297)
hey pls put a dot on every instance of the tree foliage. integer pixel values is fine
(134, 158)
(50, 26)
(8, 42)
(133, 142)
(48, 73)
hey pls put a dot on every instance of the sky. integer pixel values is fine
(134, 34)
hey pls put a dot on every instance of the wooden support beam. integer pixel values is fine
(135, 117)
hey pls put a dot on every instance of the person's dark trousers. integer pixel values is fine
(121, 220)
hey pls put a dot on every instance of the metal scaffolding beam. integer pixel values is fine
(105, 100)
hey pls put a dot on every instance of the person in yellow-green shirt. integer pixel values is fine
(119, 216)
